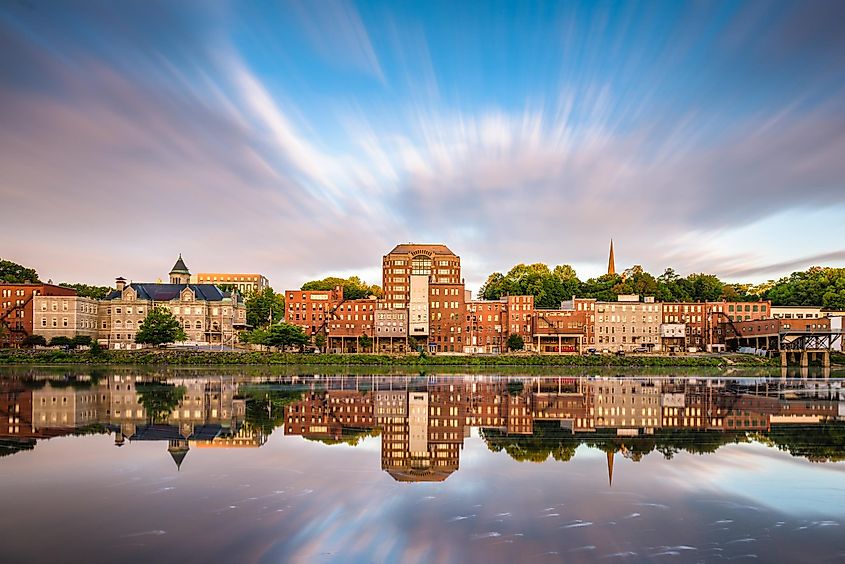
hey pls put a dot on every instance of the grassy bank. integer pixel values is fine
(213, 358)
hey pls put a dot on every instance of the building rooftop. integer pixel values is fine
(167, 292)
(410, 247)
(179, 267)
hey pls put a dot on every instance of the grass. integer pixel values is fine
(217, 358)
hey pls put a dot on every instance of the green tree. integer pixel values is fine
(515, 342)
(61, 341)
(365, 342)
(95, 292)
(15, 273)
(264, 308)
(353, 287)
(32, 340)
(816, 286)
(159, 328)
(82, 341)
(256, 336)
(284, 335)
(320, 341)
(601, 288)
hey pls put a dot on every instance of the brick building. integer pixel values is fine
(17, 308)
(243, 283)
(312, 309)
(519, 318)
(694, 318)
(348, 322)
(486, 326)
(558, 331)
(447, 317)
(435, 262)
(719, 315)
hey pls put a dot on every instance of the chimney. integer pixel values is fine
(120, 283)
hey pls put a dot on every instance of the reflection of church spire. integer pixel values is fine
(611, 263)
(610, 454)
(178, 449)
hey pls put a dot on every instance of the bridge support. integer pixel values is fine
(825, 359)
(784, 359)
(805, 359)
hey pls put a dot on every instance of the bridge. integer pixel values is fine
(797, 341)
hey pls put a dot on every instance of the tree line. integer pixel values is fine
(817, 286)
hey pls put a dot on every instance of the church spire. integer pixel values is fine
(611, 264)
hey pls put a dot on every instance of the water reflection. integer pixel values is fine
(423, 420)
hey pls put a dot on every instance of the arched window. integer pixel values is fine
(421, 264)
(199, 325)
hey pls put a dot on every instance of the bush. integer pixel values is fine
(64, 342)
(516, 342)
(34, 341)
(82, 341)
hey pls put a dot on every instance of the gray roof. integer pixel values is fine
(167, 292)
(179, 267)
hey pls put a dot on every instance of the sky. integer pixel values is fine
(305, 139)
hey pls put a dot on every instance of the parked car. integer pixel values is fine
(620, 353)
(641, 349)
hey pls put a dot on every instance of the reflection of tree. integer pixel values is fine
(824, 442)
(349, 436)
(265, 406)
(550, 440)
(10, 446)
(159, 399)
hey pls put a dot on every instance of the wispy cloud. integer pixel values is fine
(257, 140)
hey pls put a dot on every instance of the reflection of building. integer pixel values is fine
(423, 421)
(629, 406)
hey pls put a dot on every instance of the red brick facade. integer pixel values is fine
(16, 312)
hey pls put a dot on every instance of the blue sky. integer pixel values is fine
(301, 139)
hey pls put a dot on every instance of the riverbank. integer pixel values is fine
(218, 358)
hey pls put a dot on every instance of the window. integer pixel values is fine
(421, 264)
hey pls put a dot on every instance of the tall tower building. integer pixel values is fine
(611, 264)
(412, 274)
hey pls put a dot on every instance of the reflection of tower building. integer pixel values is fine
(423, 445)
(178, 449)
(610, 455)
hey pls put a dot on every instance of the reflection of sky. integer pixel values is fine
(297, 500)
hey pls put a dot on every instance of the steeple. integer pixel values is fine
(610, 468)
(180, 274)
(611, 264)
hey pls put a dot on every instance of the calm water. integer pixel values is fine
(125, 465)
